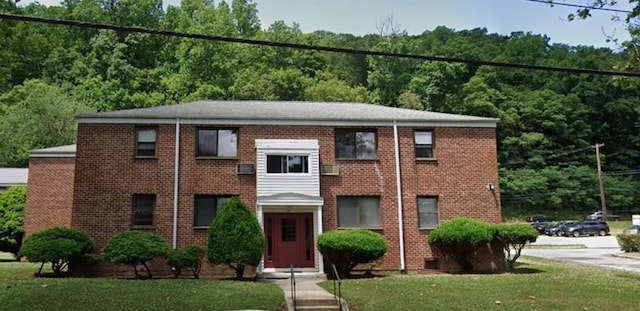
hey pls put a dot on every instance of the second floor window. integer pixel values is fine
(146, 141)
(284, 164)
(217, 143)
(424, 144)
(355, 144)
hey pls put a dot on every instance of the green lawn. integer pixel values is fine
(21, 291)
(537, 285)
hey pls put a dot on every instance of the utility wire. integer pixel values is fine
(552, 3)
(308, 47)
(552, 156)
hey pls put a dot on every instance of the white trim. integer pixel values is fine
(176, 179)
(53, 155)
(396, 148)
(491, 123)
(319, 229)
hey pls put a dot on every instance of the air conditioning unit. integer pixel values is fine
(330, 169)
(245, 169)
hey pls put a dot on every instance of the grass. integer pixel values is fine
(617, 227)
(22, 291)
(537, 285)
(6, 257)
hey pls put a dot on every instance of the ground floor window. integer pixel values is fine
(428, 212)
(356, 211)
(206, 207)
(143, 207)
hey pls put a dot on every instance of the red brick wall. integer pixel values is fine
(49, 194)
(108, 174)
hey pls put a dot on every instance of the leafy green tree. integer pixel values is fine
(514, 237)
(57, 246)
(12, 204)
(348, 248)
(333, 90)
(188, 257)
(37, 115)
(135, 248)
(235, 237)
(460, 237)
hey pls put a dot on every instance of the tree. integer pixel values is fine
(38, 115)
(460, 237)
(188, 257)
(57, 246)
(514, 237)
(135, 248)
(235, 237)
(12, 218)
(349, 248)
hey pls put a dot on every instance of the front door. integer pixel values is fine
(289, 240)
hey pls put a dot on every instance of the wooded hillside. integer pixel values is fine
(549, 121)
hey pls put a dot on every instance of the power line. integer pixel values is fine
(589, 7)
(308, 47)
(552, 156)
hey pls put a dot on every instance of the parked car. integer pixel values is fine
(541, 227)
(560, 228)
(588, 227)
(633, 230)
(539, 218)
(598, 216)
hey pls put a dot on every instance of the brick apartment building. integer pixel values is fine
(303, 167)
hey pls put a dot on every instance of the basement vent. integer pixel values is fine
(244, 169)
(431, 264)
(330, 169)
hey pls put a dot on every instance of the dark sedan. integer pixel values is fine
(588, 227)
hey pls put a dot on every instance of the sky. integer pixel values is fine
(361, 17)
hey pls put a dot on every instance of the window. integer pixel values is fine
(427, 212)
(217, 143)
(146, 142)
(358, 212)
(143, 206)
(283, 164)
(355, 144)
(424, 144)
(205, 209)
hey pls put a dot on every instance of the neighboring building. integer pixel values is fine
(50, 192)
(303, 167)
(10, 176)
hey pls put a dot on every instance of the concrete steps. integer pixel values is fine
(317, 304)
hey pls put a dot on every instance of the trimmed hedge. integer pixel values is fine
(459, 237)
(629, 242)
(12, 204)
(514, 237)
(57, 246)
(349, 248)
(134, 248)
(235, 237)
(188, 257)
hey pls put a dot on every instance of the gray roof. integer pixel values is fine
(10, 176)
(283, 112)
(54, 152)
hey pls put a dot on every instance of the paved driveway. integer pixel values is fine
(600, 252)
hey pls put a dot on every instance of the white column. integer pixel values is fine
(319, 231)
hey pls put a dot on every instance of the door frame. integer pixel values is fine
(282, 254)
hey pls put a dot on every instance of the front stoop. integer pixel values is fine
(309, 295)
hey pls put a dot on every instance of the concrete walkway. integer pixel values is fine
(306, 290)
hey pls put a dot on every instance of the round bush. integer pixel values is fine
(235, 237)
(188, 257)
(514, 237)
(348, 248)
(57, 246)
(135, 247)
(460, 236)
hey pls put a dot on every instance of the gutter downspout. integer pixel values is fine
(176, 173)
(399, 194)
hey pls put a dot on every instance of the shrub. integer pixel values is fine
(459, 238)
(348, 248)
(629, 242)
(134, 248)
(514, 237)
(235, 237)
(12, 218)
(57, 246)
(188, 257)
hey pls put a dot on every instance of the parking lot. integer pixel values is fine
(599, 251)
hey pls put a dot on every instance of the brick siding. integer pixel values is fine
(49, 194)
